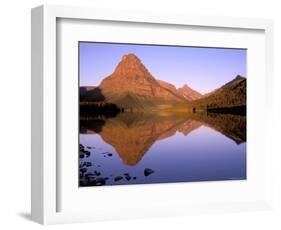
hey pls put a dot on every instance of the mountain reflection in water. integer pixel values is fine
(167, 147)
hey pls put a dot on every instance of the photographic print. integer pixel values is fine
(161, 114)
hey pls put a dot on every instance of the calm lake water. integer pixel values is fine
(149, 148)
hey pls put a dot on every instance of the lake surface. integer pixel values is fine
(162, 148)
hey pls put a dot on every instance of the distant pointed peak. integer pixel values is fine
(185, 86)
(236, 80)
(238, 77)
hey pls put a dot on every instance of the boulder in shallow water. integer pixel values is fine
(128, 177)
(118, 178)
(148, 171)
(99, 181)
(87, 153)
(97, 173)
(89, 175)
(88, 164)
(83, 170)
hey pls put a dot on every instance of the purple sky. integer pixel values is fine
(203, 69)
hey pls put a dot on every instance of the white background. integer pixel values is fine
(15, 114)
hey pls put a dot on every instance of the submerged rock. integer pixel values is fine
(91, 180)
(107, 154)
(118, 178)
(87, 164)
(99, 181)
(128, 177)
(89, 175)
(97, 173)
(148, 171)
(87, 153)
(83, 170)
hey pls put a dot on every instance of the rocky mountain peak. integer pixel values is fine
(189, 93)
(130, 57)
(239, 77)
(130, 66)
(235, 81)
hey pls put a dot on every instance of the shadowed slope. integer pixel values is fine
(232, 94)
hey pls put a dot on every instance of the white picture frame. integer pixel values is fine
(45, 110)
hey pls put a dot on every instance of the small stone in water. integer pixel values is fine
(89, 175)
(118, 178)
(87, 164)
(97, 173)
(83, 170)
(128, 177)
(100, 181)
(148, 171)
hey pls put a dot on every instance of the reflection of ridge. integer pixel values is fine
(185, 127)
(232, 126)
(132, 140)
(189, 125)
(132, 134)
